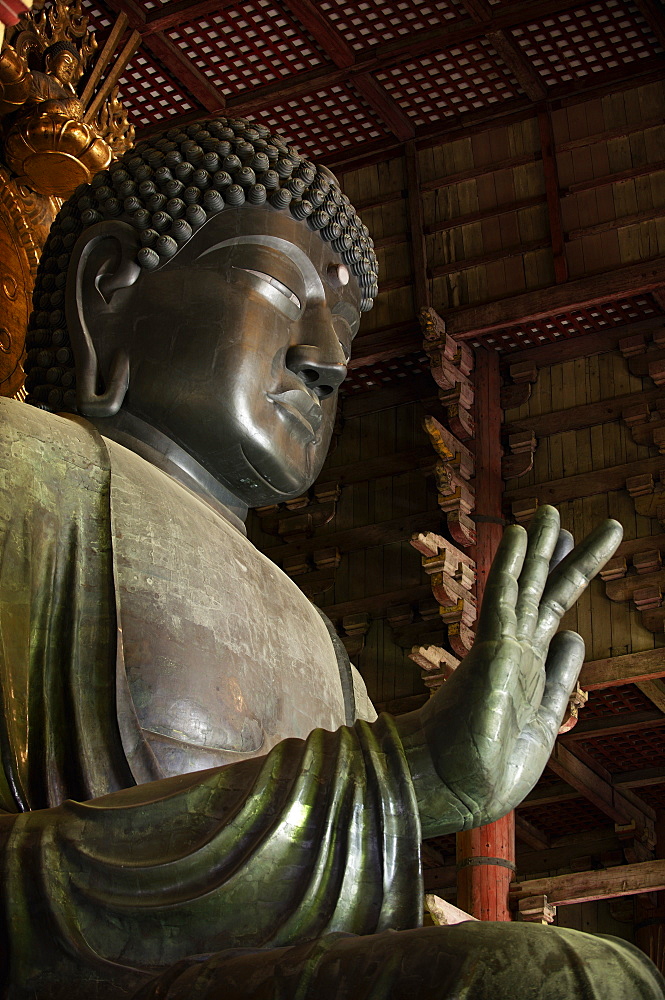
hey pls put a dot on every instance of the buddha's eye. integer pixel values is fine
(291, 296)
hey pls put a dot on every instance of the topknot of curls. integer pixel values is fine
(167, 188)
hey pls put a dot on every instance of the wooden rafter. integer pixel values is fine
(583, 887)
(466, 323)
(323, 31)
(653, 13)
(186, 73)
(621, 806)
(387, 109)
(503, 42)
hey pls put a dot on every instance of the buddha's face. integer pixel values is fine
(65, 67)
(237, 349)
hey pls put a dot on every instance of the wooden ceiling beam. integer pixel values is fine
(184, 71)
(622, 722)
(135, 13)
(323, 31)
(653, 13)
(178, 12)
(421, 286)
(632, 279)
(505, 45)
(585, 887)
(621, 808)
(387, 109)
(530, 834)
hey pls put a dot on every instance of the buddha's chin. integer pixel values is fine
(271, 482)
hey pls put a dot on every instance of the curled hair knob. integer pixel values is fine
(181, 231)
(161, 221)
(141, 219)
(196, 216)
(234, 196)
(257, 194)
(176, 207)
(213, 202)
(191, 195)
(148, 258)
(165, 246)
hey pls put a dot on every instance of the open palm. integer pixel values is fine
(481, 743)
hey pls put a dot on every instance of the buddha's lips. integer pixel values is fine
(306, 410)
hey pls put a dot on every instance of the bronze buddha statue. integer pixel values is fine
(194, 313)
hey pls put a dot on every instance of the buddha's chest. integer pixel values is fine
(224, 655)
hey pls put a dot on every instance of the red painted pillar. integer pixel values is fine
(486, 856)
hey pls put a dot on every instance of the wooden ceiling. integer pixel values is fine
(353, 79)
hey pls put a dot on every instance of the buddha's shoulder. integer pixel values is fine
(33, 438)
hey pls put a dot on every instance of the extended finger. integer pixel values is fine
(563, 666)
(564, 545)
(497, 615)
(572, 576)
(543, 535)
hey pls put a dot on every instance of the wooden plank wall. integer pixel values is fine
(608, 628)
(485, 212)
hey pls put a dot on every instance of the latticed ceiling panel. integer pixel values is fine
(257, 44)
(386, 373)
(325, 123)
(589, 39)
(572, 324)
(150, 93)
(371, 22)
(100, 20)
(559, 819)
(448, 83)
(627, 751)
(616, 701)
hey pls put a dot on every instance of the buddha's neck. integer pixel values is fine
(158, 449)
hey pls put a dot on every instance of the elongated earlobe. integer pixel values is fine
(102, 263)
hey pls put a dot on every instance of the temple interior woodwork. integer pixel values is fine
(508, 158)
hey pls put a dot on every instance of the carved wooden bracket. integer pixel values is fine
(297, 519)
(648, 495)
(314, 572)
(643, 584)
(647, 423)
(416, 624)
(523, 375)
(452, 575)
(450, 363)
(437, 665)
(536, 910)
(452, 472)
(523, 510)
(522, 449)
(645, 354)
(354, 629)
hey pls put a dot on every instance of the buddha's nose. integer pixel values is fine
(320, 373)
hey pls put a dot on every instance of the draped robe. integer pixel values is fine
(290, 875)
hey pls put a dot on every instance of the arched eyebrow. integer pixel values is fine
(311, 278)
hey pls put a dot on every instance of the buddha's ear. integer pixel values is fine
(103, 262)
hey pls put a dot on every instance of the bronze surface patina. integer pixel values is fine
(198, 800)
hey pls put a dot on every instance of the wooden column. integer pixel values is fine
(486, 856)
